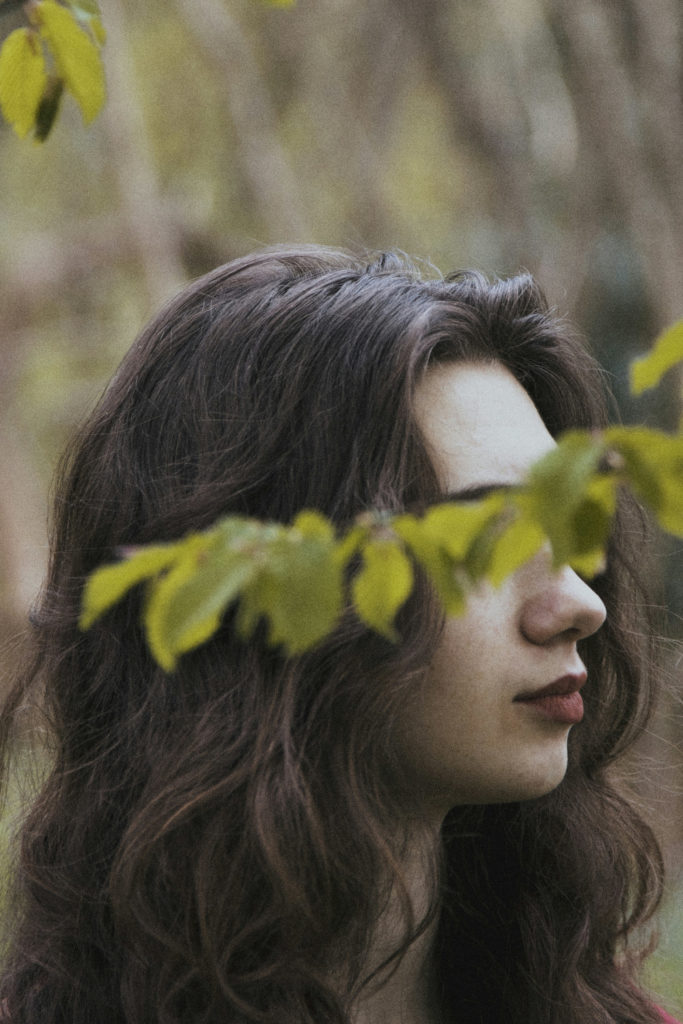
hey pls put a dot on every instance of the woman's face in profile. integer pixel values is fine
(476, 731)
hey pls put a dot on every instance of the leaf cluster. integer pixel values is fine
(300, 577)
(58, 49)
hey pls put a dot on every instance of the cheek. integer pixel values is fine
(443, 713)
(456, 735)
(477, 643)
(465, 684)
(467, 673)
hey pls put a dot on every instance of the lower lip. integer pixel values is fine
(567, 709)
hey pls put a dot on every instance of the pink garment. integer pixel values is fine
(666, 1017)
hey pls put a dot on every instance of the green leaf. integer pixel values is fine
(667, 351)
(454, 527)
(23, 78)
(301, 586)
(98, 30)
(89, 14)
(558, 488)
(254, 602)
(107, 585)
(382, 584)
(350, 544)
(76, 56)
(448, 543)
(48, 108)
(441, 568)
(520, 539)
(185, 607)
(85, 8)
(591, 524)
(653, 467)
(314, 526)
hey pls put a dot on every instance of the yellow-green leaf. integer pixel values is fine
(48, 108)
(454, 527)
(518, 541)
(88, 13)
(653, 467)
(312, 524)
(300, 586)
(160, 595)
(110, 583)
(426, 548)
(88, 8)
(185, 607)
(98, 30)
(558, 485)
(589, 564)
(23, 78)
(76, 56)
(592, 521)
(382, 584)
(667, 351)
(349, 544)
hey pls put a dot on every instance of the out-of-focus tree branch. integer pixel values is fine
(353, 113)
(266, 166)
(22, 522)
(151, 229)
(607, 111)
(659, 90)
(490, 122)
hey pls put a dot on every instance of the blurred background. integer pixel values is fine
(497, 134)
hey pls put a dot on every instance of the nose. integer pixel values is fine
(561, 607)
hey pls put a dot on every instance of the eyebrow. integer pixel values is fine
(474, 492)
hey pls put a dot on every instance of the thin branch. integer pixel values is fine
(146, 216)
(266, 166)
(606, 112)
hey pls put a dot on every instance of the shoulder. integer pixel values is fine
(666, 1017)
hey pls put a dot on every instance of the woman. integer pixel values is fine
(368, 833)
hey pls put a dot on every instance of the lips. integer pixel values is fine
(571, 683)
(560, 701)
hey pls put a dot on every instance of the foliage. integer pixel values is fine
(666, 352)
(300, 577)
(58, 49)
(191, 583)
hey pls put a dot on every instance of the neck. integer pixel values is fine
(404, 992)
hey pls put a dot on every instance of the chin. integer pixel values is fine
(535, 783)
(528, 781)
(535, 792)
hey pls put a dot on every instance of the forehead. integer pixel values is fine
(480, 425)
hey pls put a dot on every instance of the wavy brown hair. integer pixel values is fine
(212, 845)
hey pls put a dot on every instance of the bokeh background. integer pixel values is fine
(497, 134)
